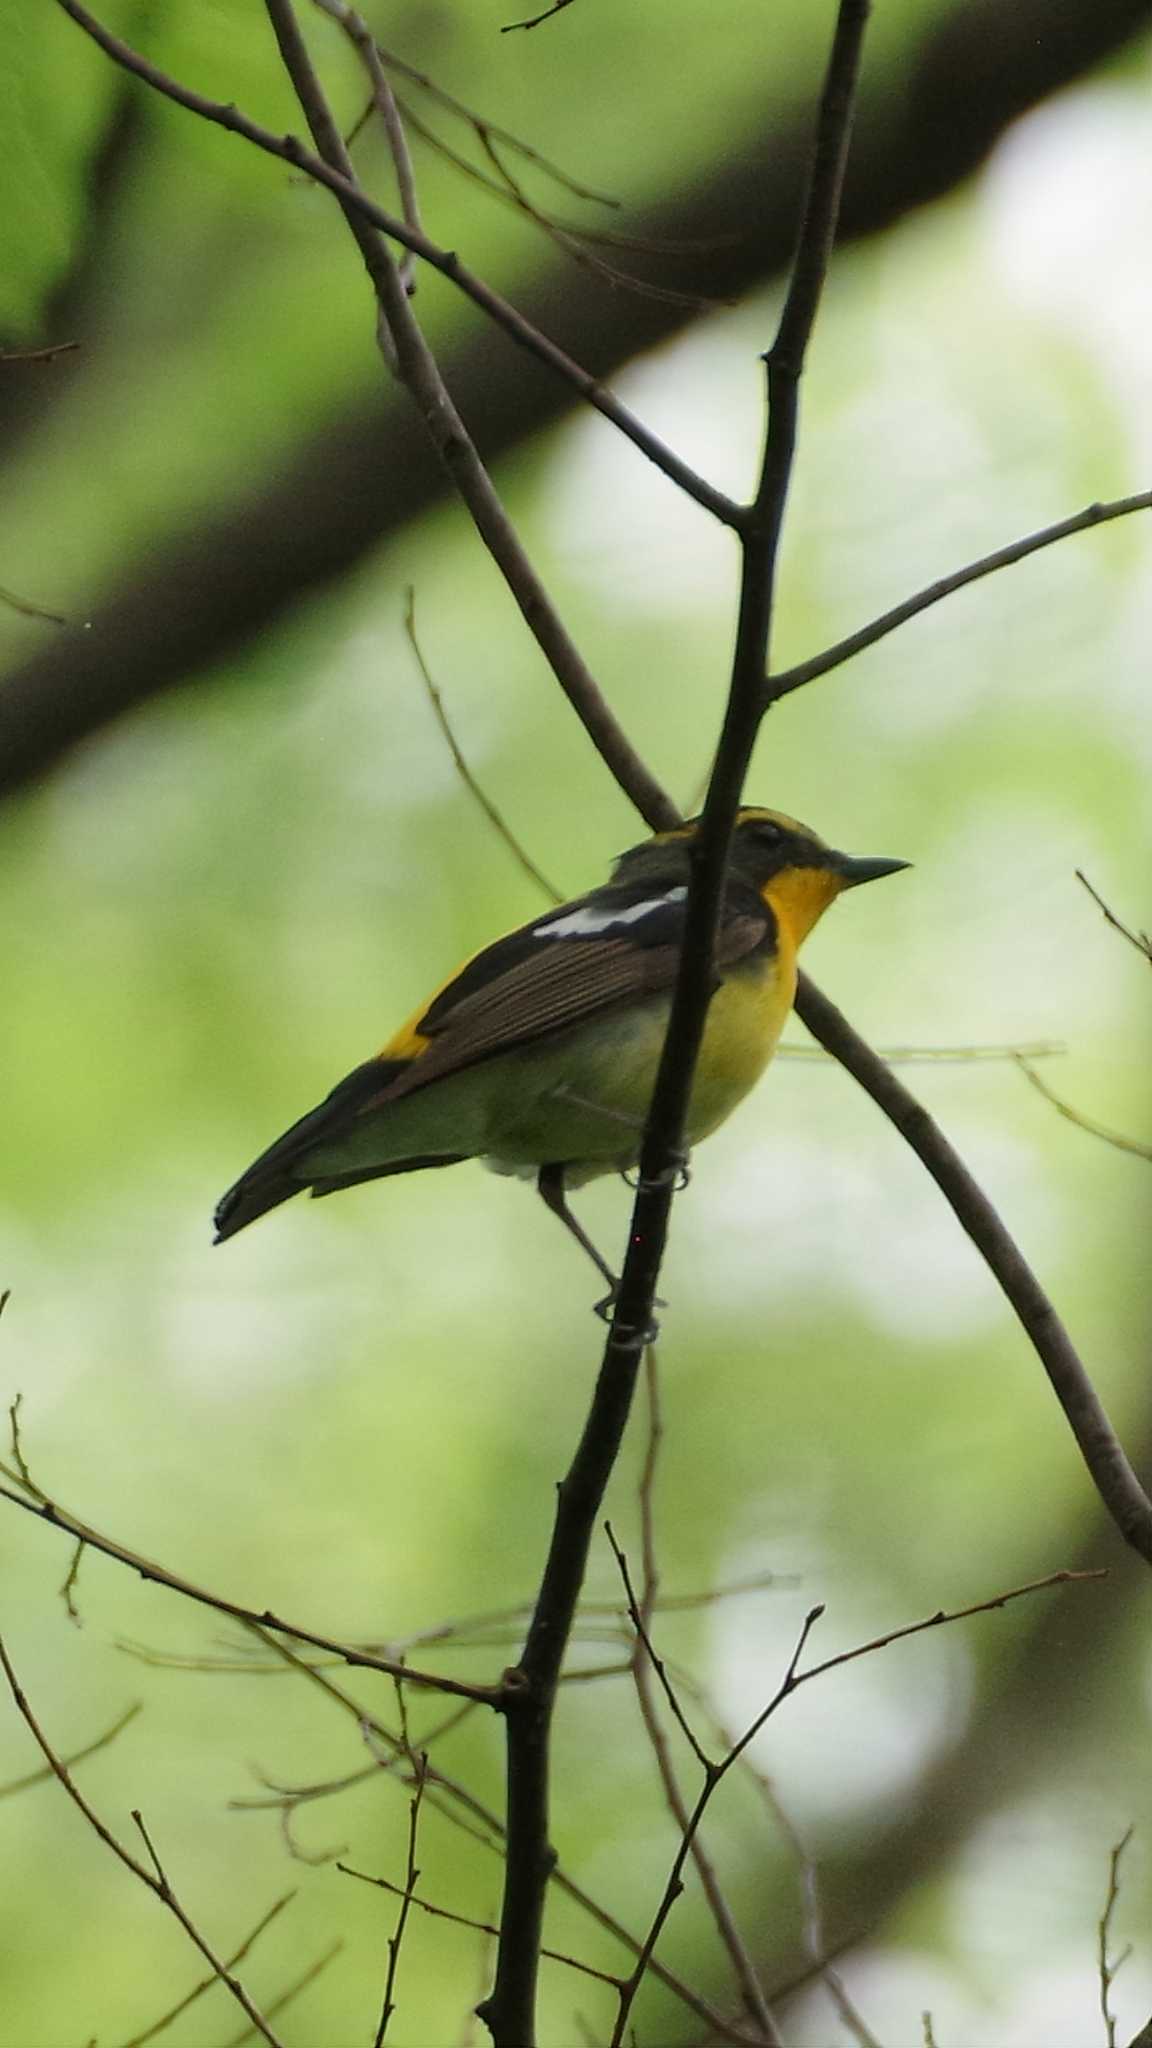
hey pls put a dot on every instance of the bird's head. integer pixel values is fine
(795, 871)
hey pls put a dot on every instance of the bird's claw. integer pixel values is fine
(634, 1179)
(625, 1333)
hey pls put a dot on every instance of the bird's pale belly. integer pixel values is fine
(583, 1101)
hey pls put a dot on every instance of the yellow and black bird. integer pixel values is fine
(539, 1056)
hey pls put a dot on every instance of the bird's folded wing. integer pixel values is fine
(537, 986)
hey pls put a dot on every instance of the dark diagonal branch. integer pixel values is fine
(1116, 1483)
(531, 1688)
(921, 601)
(343, 185)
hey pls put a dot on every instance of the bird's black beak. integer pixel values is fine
(857, 868)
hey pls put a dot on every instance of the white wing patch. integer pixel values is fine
(589, 921)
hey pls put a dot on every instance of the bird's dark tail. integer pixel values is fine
(282, 1171)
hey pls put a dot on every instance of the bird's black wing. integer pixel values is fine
(614, 946)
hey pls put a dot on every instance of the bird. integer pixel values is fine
(539, 1055)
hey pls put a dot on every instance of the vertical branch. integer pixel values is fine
(530, 1688)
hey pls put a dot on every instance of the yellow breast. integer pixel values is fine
(745, 1019)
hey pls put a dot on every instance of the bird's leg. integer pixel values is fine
(550, 1187)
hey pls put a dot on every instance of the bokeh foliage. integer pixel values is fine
(356, 1413)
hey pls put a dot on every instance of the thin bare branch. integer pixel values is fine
(812, 1903)
(206, 1983)
(411, 1879)
(47, 354)
(78, 1756)
(1077, 1117)
(657, 1663)
(31, 610)
(482, 126)
(794, 1678)
(419, 372)
(35, 1502)
(941, 1619)
(1107, 1969)
(1140, 940)
(642, 1665)
(69, 1583)
(155, 1879)
(461, 1806)
(464, 1920)
(345, 188)
(292, 1991)
(936, 1055)
(534, 20)
(384, 100)
(494, 817)
(1002, 558)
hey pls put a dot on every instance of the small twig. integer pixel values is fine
(206, 1983)
(792, 1681)
(69, 1583)
(468, 1813)
(812, 1904)
(155, 1879)
(929, 2036)
(477, 1926)
(1002, 558)
(1140, 940)
(35, 1502)
(657, 1662)
(47, 354)
(494, 817)
(384, 100)
(292, 1990)
(645, 1661)
(291, 151)
(78, 1756)
(419, 372)
(714, 1773)
(580, 248)
(1106, 1970)
(31, 610)
(534, 20)
(411, 1879)
(935, 1055)
(482, 127)
(1076, 1116)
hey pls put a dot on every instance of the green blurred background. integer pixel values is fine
(356, 1413)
